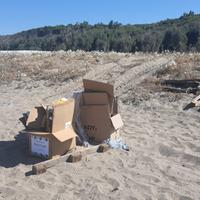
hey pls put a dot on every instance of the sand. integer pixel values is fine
(164, 157)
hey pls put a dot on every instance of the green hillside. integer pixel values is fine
(182, 34)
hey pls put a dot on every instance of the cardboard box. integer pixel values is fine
(50, 129)
(98, 112)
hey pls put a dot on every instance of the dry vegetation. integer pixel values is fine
(49, 66)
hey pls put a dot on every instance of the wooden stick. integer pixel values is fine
(75, 157)
(181, 83)
(41, 167)
(194, 103)
(103, 148)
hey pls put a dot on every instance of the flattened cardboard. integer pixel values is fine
(92, 98)
(117, 121)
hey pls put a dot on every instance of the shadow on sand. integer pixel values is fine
(15, 152)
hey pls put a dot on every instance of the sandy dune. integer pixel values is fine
(164, 157)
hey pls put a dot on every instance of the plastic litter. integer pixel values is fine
(117, 144)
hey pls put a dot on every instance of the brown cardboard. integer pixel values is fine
(60, 139)
(36, 119)
(92, 98)
(62, 148)
(96, 123)
(63, 113)
(64, 134)
(55, 147)
(99, 111)
(95, 86)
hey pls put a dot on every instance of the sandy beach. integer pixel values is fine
(164, 157)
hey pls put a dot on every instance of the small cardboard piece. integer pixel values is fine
(99, 112)
(117, 121)
(58, 132)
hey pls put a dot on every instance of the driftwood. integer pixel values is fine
(180, 90)
(103, 148)
(72, 157)
(181, 86)
(194, 103)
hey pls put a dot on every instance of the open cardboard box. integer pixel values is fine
(98, 111)
(50, 129)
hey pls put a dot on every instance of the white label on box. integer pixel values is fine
(40, 146)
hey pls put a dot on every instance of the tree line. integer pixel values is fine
(182, 34)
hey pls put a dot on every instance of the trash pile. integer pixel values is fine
(50, 129)
(91, 117)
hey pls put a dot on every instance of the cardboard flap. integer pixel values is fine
(92, 98)
(37, 119)
(66, 134)
(62, 114)
(23, 120)
(95, 119)
(117, 121)
(94, 86)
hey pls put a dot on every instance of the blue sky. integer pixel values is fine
(18, 15)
